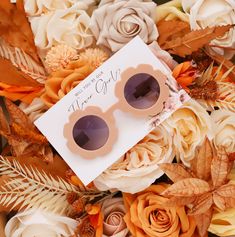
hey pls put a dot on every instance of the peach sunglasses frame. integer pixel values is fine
(123, 105)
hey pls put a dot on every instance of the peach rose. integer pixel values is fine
(148, 215)
(113, 224)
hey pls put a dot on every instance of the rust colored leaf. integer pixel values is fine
(231, 156)
(4, 127)
(187, 188)
(202, 204)
(170, 29)
(194, 40)
(224, 197)
(220, 167)
(203, 222)
(175, 172)
(201, 164)
(15, 28)
(18, 116)
(180, 201)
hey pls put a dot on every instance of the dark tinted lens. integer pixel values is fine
(142, 91)
(90, 132)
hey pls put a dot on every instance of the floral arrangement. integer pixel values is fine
(179, 180)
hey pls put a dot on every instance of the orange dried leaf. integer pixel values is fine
(18, 116)
(169, 29)
(219, 167)
(175, 172)
(194, 40)
(4, 127)
(225, 196)
(180, 201)
(231, 156)
(203, 221)
(187, 188)
(202, 204)
(201, 164)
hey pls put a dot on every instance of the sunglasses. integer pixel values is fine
(141, 91)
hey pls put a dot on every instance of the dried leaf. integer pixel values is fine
(15, 28)
(203, 222)
(194, 40)
(175, 172)
(4, 127)
(202, 204)
(231, 156)
(224, 197)
(220, 167)
(169, 30)
(179, 201)
(201, 164)
(187, 188)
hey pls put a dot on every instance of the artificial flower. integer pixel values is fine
(67, 26)
(38, 223)
(38, 7)
(59, 56)
(140, 162)
(224, 129)
(184, 74)
(171, 10)
(115, 22)
(148, 215)
(191, 124)
(64, 80)
(113, 223)
(209, 13)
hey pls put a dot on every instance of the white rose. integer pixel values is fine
(139, 163)
(115, 22)
(191, 124)
(69, 26)
(224, 129)
(209, 13)
(114, 224)
(38, 7)
(41, 224)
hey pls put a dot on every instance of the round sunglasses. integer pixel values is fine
(141, 91)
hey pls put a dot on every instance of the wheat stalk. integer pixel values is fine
(22, 61)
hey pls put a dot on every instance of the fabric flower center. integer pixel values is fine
(115, 218)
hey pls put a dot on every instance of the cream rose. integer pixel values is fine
(114, 224)
(38, 7)
(224, 129)
(116, 22)
(209, 13)
(69, 26)
(41, 224)
(191, 124)
(139, 163)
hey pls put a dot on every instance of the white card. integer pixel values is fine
(98, 90)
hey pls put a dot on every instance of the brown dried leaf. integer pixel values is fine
(18, 116)
(187, 188)
(231, 156)
(175, 172)
(180, 201)
(220, 167)
(4, 127)
(203, 222)
(224, 197)
(170, 29)
(15, 28)
(202, 204)
(201, 164)
(194, 40)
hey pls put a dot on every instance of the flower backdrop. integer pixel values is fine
(177, 181)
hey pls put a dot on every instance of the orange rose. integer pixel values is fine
(149, 216)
